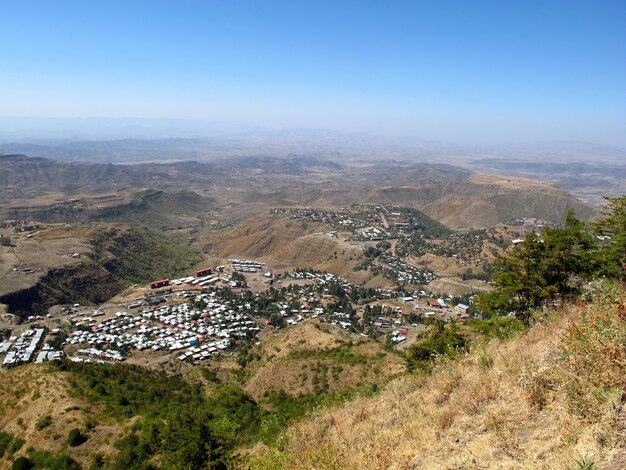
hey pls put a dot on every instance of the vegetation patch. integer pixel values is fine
(439, 341)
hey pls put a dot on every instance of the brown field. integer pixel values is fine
(284, 244)
(48, 248)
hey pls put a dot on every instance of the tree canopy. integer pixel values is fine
(552, 265)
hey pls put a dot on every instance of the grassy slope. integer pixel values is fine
(550, 398)
(159, 210)
(309, 359)
(28, 394)
(108, 402)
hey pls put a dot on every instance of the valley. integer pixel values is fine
(267, 287)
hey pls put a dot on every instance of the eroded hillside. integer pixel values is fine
(552, 397)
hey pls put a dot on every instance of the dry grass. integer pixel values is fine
(49, 248)
(30, 393)
(294, 360)
(512, 405)
(283, 244)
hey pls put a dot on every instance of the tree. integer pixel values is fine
(612, 254)
(519, 285)
(186, 441)
(278, 320)
(540, 271)
(569, 256)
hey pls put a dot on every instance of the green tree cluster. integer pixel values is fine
(612, 227)
(439, 341)
(553, 266)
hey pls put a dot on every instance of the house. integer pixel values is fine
(161, 283)
(204, 272)
(463, 308)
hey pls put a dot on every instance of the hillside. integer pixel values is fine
(38, 409)
(127, 416)
(117, 256)
(485, 200)
(27, 259)
(548, 397)
(285, 243)
(441, 191)
(159, 210)
(552, 397)
(310, 360)
(21, 175)
(475, 201)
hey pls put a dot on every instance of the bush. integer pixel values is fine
(75, 438)
(5, 442)
(497, 327)
(441, 341)
(21, 463)
(15, 445)
(43, 422)
(43, 459)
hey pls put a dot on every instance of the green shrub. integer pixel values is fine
(5, 442)
(441, 341)
(42, 459)
(15, 445)
(497, 327)
(76, 438)
(21, 463)
(43, 422)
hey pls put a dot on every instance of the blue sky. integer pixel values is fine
(444, 70)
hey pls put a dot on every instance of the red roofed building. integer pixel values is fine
(161, 283)
(203, 272)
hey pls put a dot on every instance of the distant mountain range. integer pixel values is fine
(451, 194)
(23, 173)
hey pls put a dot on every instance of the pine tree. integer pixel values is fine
(612, 255)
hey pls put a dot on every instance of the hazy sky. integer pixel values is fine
(447, 70)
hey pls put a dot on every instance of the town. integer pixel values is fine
(195, 318)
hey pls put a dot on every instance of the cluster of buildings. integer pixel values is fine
(395, 269)
(246, 266)
(101, 355)
(398, 336)
(416, 234)
(320, 278)
(181, 328)
(28, 347)
(203, 278)
(371, 233)
(207, 320)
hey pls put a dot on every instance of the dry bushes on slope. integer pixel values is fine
(553, 397)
